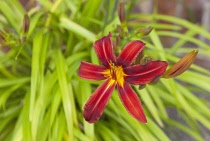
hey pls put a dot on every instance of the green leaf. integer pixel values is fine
(147, 100)
(66, 92)
(78, 29)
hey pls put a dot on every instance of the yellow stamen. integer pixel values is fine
(119, 73)
(116, 73)
(111, 82)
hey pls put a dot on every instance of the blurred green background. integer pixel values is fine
(42, 97)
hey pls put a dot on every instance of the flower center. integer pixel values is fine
(116, 73)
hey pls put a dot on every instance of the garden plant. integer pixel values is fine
(46, 50)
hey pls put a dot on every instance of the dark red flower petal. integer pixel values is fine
(131, 102)
(96, 103)
(129, 53)
(144, 74)
(104, 50)
(91, 71)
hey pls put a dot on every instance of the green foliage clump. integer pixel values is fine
(42, 97)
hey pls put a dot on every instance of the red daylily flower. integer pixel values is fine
(118, 71)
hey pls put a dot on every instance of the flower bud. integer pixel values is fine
(145, 60)
(142, 86)
(122, 17)
(181, 66)
(139, 57)
(120, 30)
(155, 80)
(116, 45)
(143, 31)
(26, 24)
(3, 41)
(121, 12)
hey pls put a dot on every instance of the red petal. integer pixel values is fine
(129, 53)
(144, 74)
(96, 103)
(131, 102)
(104, 50)
(91, 71)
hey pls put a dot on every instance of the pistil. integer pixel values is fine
(116, 73)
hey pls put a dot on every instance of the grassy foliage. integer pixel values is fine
(41, 95)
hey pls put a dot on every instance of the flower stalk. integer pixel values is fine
(122, 17)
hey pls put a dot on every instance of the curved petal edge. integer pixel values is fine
(144, 74)
(131, 102)
(95, 105)
(91, 71)
(130, 52)
(104, 50)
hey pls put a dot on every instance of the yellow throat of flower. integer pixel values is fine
(116, 73)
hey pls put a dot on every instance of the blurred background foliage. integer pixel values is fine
(42, 97)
